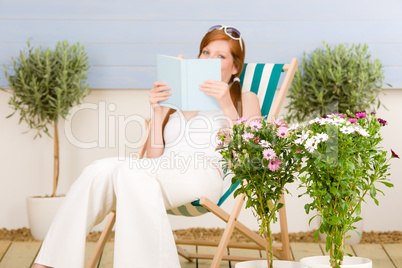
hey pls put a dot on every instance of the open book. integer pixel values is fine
(184, 77)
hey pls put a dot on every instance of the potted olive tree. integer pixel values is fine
(262, 158)
(344, 165)
(44, 84)
(335, 79)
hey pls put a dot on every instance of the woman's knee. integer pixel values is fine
(99, 171)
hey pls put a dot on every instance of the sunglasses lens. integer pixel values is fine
(215, 27)
(233, 32)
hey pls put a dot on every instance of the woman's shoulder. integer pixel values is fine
(250, 104)
(249, 96)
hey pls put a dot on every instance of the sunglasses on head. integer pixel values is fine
(230, 31)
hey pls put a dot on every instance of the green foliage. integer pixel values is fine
(335, 80)
(344, 163)
(262, 158)
(46, 83)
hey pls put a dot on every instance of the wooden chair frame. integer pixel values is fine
(280, 252)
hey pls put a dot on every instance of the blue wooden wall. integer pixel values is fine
(122, 37)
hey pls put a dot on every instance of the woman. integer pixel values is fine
(141, 194)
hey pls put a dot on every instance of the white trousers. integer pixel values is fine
(140, 195)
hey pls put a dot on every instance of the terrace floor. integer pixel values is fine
(22, 254)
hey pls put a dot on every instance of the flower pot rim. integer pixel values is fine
(44, 196)
(326, 258)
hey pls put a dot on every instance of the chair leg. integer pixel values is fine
(284, 231)
(228, 232)
(93, 261)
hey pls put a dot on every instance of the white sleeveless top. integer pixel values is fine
(198, 136)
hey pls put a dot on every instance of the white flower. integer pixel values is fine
(311, 145)
(294, 127)
(314, 121)
(325, 121)
(362, 131)
(302, 137)
(321, 137)
(338, 121)
(331, 115)
(299, 141)
(347, 130)
(264, 143)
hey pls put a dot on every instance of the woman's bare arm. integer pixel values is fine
(155, 144)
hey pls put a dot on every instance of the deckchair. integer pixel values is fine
(261, 79)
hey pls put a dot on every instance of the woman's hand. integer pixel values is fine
(219, 90)
(158, 93)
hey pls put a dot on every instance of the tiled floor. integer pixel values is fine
(22, 254)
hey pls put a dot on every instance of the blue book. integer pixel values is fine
(184, 77)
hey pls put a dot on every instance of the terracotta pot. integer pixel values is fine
(323, 262)
(41, 211)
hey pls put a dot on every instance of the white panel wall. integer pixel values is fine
(123, 37)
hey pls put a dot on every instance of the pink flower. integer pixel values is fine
(342, 116)
(274, 164)
(352, 120)
(256, 140)
(247, 136)
(382, 121)
(269, 154)
(227, 138)
(255, 124)
(280, 123)
(361, 115)
(220, 146)
(241, 120)
(282, 132)
(394, 155)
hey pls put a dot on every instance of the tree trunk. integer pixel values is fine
(56, 166)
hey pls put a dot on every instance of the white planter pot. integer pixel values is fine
(41, 211)
(323, 262)
(264, 264)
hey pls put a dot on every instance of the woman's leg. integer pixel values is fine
(143, 236)
(189, 179)
(87, 203)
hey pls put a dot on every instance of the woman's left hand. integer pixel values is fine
(219, 90)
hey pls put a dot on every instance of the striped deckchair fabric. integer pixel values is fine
(262, 79)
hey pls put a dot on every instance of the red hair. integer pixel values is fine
(238, 55)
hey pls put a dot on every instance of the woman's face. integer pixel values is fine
(220, 49)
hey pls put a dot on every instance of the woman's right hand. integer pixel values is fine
(158, 93)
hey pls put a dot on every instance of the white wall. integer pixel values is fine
(26, 164)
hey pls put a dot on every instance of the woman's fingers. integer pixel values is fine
(211, 87)
(217, 89)
(159, 93)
